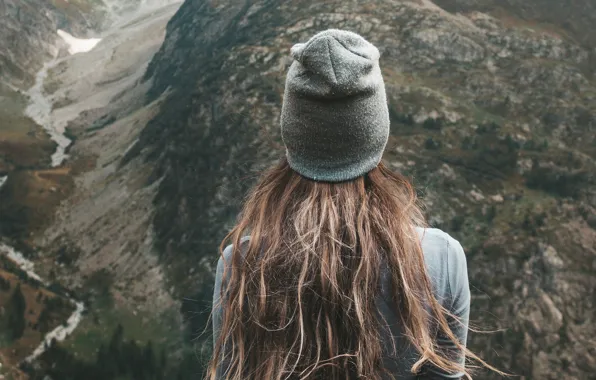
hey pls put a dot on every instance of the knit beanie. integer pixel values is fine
(334, 117)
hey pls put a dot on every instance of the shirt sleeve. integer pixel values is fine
(217, 312)
(459, 302)
(217, 307)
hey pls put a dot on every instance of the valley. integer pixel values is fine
(32, 191)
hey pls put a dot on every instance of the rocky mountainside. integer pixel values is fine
(493, 109)
(572, 18)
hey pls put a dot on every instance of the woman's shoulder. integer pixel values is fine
(225, 260)
(445, 259)
(438, 242)
(227, 252)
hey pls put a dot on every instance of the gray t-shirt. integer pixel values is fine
(447, 269)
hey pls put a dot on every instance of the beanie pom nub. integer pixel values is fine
(335, 118)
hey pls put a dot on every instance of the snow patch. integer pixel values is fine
(3, 180)
(78, 45)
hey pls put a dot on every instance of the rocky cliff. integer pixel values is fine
(493, 108)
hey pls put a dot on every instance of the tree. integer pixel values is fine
(15, 314)
(4, 284)
(434, 124)
(116, 341)
(431, 144)
(149, 358)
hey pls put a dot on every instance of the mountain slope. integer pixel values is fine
(494, 116)
(27, 40)
(573, 18)
(86, 93)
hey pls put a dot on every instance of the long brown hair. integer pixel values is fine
(300, 298)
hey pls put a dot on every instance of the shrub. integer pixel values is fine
(4, 284)
(433, 124)
(556, 181)
(431, 144)
(13, 323)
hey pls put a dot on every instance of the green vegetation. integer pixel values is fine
(557, 181)
(431, 144)
(103, 315)
(4, 284)
(560, 172)
(482, 116)
(23, 144)
(401, 118)
(12, 321)
(115, 344)
(50, 313)
(533, 145)
(101, 123)
(117, 359)
(434, 124)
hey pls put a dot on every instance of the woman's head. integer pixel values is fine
(334, 118)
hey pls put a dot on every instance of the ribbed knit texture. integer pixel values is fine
(334, 119)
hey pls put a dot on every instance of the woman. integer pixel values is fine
(330, 273)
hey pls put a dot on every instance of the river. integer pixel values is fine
(40, 104)
(63, 330)
(40, 110)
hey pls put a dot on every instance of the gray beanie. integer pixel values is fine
(334, 117)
